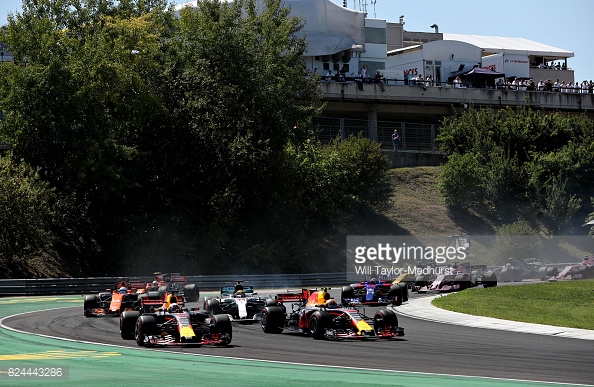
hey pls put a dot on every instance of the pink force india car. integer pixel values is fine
(584, 270)
(460, 278)
(314, 313)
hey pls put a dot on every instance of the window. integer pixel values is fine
(375, 35)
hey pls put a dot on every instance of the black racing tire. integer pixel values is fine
(346, 292)
(221, 324)
(128, 323)
(191, 293)
(552, 271)
(270, 302)
(489, 279)
(213, 306)
(318, 322)
(404, 288)
(421, 280)
(205, 301)
(89, 304)
(384, 318)
(145, 325)
(584, 271)
(273, 319)
(396, 295)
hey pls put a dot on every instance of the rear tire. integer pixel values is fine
(128, 323)
(191, 293)
(396, 293)
(489, 279)
(213, 306)
(347, 292)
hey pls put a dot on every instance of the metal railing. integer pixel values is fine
(414, 137)
(79, 286)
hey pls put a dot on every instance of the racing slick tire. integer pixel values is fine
(384, 318)
(270, 302)
(318, 322)
(145, 325)
(128, 323)
(191, 293)
(463, 280)
(404, 289)
(489, 279)
(89, 304)
(273, 319)
(420, 281)
(213, 306)
(222, 324)
(153, 295)
(205, 301)
(346, 293)
(396, 293)
(585, 272)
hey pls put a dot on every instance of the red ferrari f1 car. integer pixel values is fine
(319, 316)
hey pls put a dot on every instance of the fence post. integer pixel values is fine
(432, 138)
(403, 135)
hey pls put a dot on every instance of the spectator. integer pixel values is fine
(563, 87)
(500, 85)
(457, 82)
(548, 85)
(359, 81)
(364, 73)
(557, 86)
(379, 80)
(329, 75)
(541, 85)
(395, 140)
(429, 81)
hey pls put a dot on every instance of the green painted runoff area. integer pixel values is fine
(99, 365)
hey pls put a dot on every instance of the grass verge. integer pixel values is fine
(564, 304)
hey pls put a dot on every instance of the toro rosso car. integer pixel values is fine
(239, 302)
(319, 316)
(172, 324)
(374, 292)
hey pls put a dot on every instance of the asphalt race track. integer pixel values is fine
(427, 347)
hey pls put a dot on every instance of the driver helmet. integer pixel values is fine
(155, 283)
(331, 304)
(240, 294)
(123, 290)
(373, 281)
(174, 308)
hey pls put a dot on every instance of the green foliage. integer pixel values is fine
(515, 240)
(182, 142)
(503, 162)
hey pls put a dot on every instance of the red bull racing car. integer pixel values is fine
(170, 324)
(319, 316)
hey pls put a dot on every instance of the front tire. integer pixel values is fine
(191, 293)
(89, 304)
(145, 326)
(222, 325)
(273, 319)
(384, 318)
(318, 322)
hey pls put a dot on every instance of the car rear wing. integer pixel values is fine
(294, 297)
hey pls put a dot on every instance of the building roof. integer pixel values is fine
(498, 44)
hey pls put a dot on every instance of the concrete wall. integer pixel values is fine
(414, 159)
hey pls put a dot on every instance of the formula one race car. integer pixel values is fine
(583, 270)
(239, 302)
(319, 316)
(173, 282)
(517, 271)
(123, 297)
(172, 324)
(374, 292)
(446, 283)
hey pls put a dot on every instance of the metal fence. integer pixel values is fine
(79, 286)
(414, 137)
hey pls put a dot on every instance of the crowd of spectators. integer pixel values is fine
(584, 87)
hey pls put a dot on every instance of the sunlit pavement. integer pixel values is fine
(421, 308)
